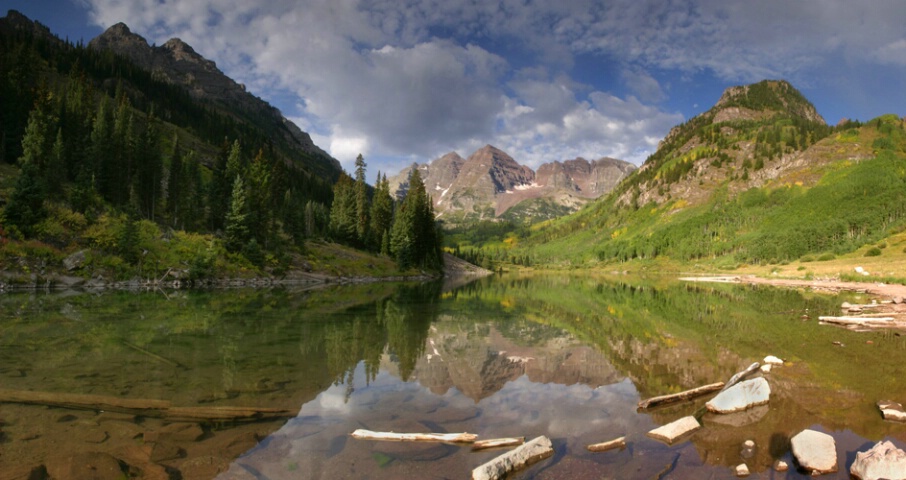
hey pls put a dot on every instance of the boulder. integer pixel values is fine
(741, 396)
(781, 466)
(742, 470)
(74, 261)
(815, 452)
(884, 460)
(892, 411)
(674, 430)
(766, 368)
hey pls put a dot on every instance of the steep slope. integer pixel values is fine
(177, 63)
(758, 178)
(491, 184)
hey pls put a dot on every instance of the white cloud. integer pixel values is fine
(402, 80)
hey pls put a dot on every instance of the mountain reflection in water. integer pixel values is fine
(566, 357)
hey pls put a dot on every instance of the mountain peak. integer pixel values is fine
(767, 97)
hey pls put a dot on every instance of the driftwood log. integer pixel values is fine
(610, 445)
(363, 434)
(681, 396)
(142, 407)
(531, 452)
(741, 375)
(868, 322)
(497, 442)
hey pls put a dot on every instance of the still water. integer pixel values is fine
(568, 357)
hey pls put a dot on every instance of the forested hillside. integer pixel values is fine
(99, 156)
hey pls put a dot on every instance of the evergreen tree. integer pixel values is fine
(148, 169)
(259, 199)
(193, 195)
(25, 207)
(414, 240)
(237, 230)
(361, 201)
(343, 211)
(175, 180)
(381, 214)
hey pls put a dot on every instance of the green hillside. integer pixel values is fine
(758, 179)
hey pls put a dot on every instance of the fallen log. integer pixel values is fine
(531, 452)
(76, 401)
(363, 434)
(610, 445)
(225, 414)
(497, 442)
(741, 375)
(142, 407)
(154, 355)
(860, 321)
(681, 396)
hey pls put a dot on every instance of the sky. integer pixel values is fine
(403, 81)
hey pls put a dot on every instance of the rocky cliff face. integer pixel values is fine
(490, 182)
(178, 63)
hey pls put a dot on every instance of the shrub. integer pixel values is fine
(807, 258)
(873, 252)
(825, 257)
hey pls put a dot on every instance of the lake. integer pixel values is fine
(565, 356)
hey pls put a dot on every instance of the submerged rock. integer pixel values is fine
(816, 452)
(892, 411)
(741, 396)
(884, 460)
(742, 470)
(674, 430)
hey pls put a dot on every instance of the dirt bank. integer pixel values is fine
(882, 290)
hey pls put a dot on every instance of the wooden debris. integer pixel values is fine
(741, 375)
(681, 396)
(153, 355)
(497, 442)
(873, 322)
(531, 452)
(363, 434)
(604, 446)
(142, 407)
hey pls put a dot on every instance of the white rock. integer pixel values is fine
(766, 368)
(670, 432)
(860, 270)
(816, 452)
(892, 411)
(772, 360)
(748, 444)
(742, 470)
(741, 396)
(781, 466)
(884, 460)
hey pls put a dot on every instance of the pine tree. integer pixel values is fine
(148, 170)
(342, 212)
(381, 213)
(237, 230)
(361, 201)
(259, 199)
(414, 237)
(175, 181)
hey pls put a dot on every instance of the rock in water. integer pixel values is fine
(741, 396)
(772, 360)
(884, 460)
(892, 411)
(742, 470)
(816, 452)
(674, 430)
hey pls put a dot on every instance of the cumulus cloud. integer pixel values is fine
(402, 80)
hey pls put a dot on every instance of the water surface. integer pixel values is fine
(566, 357)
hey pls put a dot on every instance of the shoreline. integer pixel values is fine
(889, 291)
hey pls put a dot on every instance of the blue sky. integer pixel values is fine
(403, 81)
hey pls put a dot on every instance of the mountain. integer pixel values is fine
(758, 178)
(177, 63)
(490, 183)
